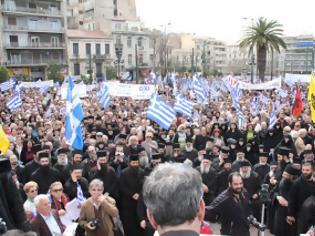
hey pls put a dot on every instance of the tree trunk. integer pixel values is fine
(261, 62)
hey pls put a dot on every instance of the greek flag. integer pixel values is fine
(14, 102)
(273, 118)
(74, 116)
(254, 107)
(7, 85)
(199, 90)
(183, 106)
(282, 93)
(160, 112)
(235, 94)
(105, 97)
(174, 82)
(80, 196)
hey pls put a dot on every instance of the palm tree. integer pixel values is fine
(263, 36)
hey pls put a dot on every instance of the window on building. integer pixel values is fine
(98, 69)
(98, 49)
(88, 49)
(76, 69)
(107, 48)
(11, 20)
(129, 59)
(75, 49)
(14, 41)
(140, 58)
(118, 39)
(140, 42)
(54, 41)
(152, 57)
(32, 5)
(35, 41)
(129, 42)
(117, 26)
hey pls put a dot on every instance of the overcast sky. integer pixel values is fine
(222, 19)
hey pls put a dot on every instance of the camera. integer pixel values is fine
(264, 194)
(3, 226)
(253, 221)
(95, 222)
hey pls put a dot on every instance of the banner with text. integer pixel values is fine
(273, 84)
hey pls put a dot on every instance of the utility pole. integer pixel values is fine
(192, 60)
(136, 53)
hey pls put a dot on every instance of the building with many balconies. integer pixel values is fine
(32, 36)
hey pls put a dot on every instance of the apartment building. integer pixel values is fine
(32, 36)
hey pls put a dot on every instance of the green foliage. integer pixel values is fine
(263, 36)
(54, 73)
(4, 74)
(111, 72)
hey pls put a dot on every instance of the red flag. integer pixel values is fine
(298, 105)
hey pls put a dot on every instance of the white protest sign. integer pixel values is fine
(80, 89)
(298, 78)
(273, 84)
(38, 84)
(135, 91)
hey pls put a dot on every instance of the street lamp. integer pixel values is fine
(252, 61)
(118, 51)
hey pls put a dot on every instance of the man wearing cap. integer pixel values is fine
(232, 143)
(31, 166)
(262, 168)
(240, 156)
(281, 196)
(149, 144)
(130, 183)
(45, 175)
(208, 175)
(62, 164)
(189, 151)
(283, 160)
(221, 182)
(76, 180)
(218, 162)
(106, 173)
(177, 156)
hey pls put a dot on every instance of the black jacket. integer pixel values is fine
(232, 212)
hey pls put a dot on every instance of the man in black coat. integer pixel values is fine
(221, 181)
(107, 174)
(63, 165)
(208, 175)
(45, 175)
(11, 206)
(131, 181)
(302, 188)
(262, 168)
(232, 207)
(76, 181)
(31, 166)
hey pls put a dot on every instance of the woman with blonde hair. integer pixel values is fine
(96, 211)
(31, 191)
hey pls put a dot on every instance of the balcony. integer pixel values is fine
(40, 27)
(29, 61)
(29, 45)
(101, 57)
(31, 11)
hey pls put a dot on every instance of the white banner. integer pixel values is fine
(135, 91)
(296, 78)
(38, 84)
(79, 88)
(273, 84)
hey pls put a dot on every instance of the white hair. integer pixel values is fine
(40, 198)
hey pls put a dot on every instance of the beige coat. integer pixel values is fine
(108, 210)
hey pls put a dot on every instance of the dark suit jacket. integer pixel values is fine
(41, 228)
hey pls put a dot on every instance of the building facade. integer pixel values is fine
(32, 36)
(89, 50)
(297, 59)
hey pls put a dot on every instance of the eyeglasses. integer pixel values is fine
(58, 190)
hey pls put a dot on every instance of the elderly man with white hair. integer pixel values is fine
(47, 221)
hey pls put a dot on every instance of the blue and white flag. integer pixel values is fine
(105, 97)
(183, 106)
(14, 102)
(174, 82)
(254, 109)
(235, 94)
(80, 196)
(74, 116)
(273, 118)
(282, 93)
(126, 76)
(199, 90)
(7, 85)
(160, 112)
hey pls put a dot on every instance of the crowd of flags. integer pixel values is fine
(185, 90)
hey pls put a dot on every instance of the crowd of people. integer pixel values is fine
(122, 147)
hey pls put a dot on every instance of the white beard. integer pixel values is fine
(245, 176)
(144, 161)
(204, 169)
(189, 149)
(271, 174)
(200, 158)
(63, 162)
